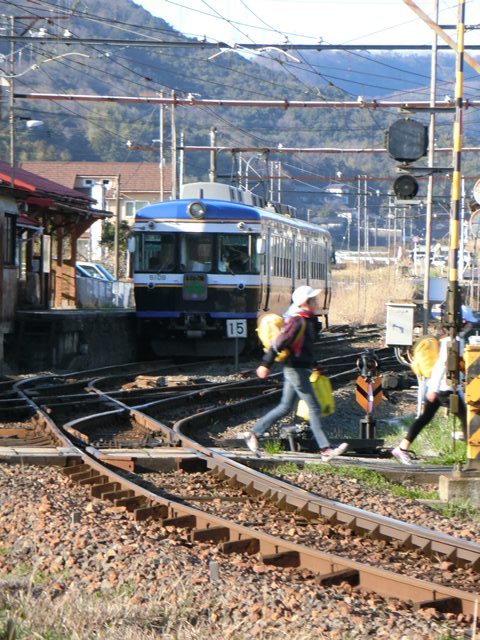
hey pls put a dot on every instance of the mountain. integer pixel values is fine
(100, 130)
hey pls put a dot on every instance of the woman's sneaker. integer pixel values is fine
(402, 456)
(329, 453)
(251, 441)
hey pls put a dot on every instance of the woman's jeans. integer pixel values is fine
(296, 385)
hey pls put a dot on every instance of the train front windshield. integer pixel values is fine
(204, 252)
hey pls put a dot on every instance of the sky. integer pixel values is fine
(311, 21)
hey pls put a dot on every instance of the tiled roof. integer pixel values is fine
(134, 176)
(36, 183)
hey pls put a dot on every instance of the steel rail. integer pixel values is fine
(460, 552)
(142, 503)
(291, 498)
(106, 483)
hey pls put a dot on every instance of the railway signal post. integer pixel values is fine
(368, 392)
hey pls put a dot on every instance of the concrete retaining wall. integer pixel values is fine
(72, 340)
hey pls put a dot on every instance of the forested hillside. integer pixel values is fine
(101, 130)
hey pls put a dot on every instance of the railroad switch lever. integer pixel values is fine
(368, 392)
(290, 433)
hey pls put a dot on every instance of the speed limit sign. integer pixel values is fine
(236, 328)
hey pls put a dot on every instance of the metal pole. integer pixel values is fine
(12, 101)
(272, 184)
(212, 174)
(279, 168)
(182, 159)
(240, 170)
(161, 142)
(389, 222)
(116, 240)
(431, 161)
(359, 213)
(174, 150)
(461, 260)
(365, 213)
(453, 317)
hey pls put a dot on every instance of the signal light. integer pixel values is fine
(405, 187)
(407, 140)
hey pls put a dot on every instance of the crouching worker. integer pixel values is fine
(298, 336)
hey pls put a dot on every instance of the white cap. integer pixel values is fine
(304, 293)
(467, 314)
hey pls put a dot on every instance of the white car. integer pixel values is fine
(93, 270)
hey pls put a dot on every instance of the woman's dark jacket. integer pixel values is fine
(301, 346)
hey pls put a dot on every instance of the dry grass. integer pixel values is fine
(175, 612)
(360, 293)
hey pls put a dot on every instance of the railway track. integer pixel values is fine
(174, 418)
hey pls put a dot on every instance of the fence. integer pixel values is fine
(93, 293)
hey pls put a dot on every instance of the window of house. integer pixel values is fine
(132, 206)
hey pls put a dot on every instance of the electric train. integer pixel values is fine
(207, 265)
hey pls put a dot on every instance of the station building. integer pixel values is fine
(40, 224)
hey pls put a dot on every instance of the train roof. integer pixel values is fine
(215, 210)
(219, 210)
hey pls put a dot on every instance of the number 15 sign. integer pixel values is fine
(236, 328)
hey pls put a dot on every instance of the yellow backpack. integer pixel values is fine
(424, 355)
(268, 329)
(323, 391)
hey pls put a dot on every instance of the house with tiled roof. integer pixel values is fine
(119, 187)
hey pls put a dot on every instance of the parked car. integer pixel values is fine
(93, 270)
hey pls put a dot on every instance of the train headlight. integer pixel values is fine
(196, 210)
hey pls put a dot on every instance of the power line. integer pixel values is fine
(115, 42)
(192, 101)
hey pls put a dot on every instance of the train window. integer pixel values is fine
(302, 260)
(196, 252)
(237, 253)
(155, 252)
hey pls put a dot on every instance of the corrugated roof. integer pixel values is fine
(134, 176)
(38, 183)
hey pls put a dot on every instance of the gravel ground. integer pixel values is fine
(84, 570)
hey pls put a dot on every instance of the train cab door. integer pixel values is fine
(265, 273)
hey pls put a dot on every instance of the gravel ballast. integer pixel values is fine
(84, 569)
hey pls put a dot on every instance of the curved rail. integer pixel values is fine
(93, 468)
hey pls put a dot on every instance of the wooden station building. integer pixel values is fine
(40, 223)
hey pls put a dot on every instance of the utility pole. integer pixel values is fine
(116, 240)
(365, 211)
(174, 150)
(279, 168)
(161, 134)
(240, 170)
(359, 212)
(271, 169)
(212, 174)
(453, 318)
(12, 100)
(182, 159)
(431, 160)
